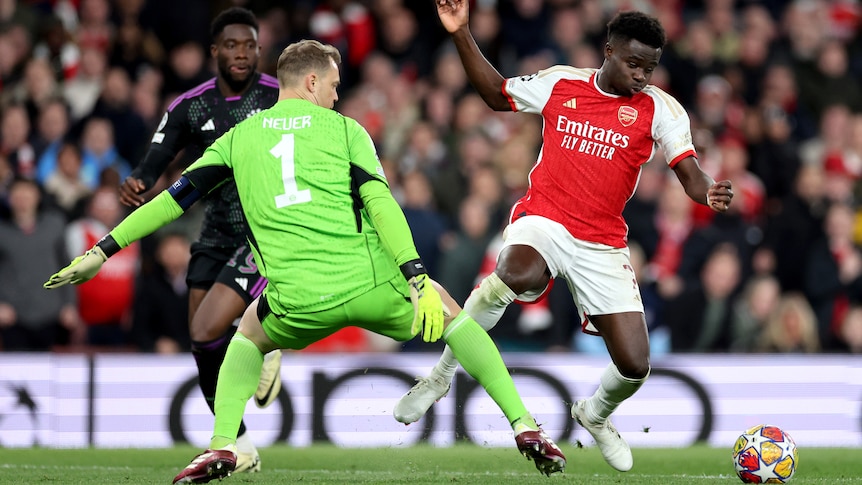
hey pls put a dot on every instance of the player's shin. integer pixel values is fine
(486, 304)
(477, 353)
(208, 358)
(614, 388)
(237, 381)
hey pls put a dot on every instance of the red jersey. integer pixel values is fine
(108, 297)
(594, 144)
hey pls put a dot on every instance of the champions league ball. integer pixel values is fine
(765, 454)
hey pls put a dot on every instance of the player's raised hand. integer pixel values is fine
(454, 14)
(718, 196)
(81, 269)
(130, 192)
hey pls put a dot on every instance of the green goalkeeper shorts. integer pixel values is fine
(385, 310)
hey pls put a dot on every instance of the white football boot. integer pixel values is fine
(413, 405)
(247, 457)
(270, 379)
(614, 448)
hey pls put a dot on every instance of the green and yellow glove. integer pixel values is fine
(81, 269)
(428, 308)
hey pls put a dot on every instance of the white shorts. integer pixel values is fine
(600, 277)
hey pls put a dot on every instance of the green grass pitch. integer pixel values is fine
(462, 464)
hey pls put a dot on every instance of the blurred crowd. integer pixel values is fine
(772, 88)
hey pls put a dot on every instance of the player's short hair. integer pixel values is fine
(303, 57)
(233, 15)
(638, 26)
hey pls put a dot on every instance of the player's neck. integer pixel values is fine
(604, 85)
(600, 81)
(295, 93)
(229, 91)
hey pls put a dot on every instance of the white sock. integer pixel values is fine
(486, 304)
(244, 444)
(614, 388)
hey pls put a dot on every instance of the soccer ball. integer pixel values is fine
(765, 454)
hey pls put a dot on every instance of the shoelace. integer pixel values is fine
(421, 380)
(613, 429)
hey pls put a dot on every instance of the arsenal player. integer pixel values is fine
(600, 127)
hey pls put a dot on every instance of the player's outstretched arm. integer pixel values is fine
(455, 17)
(701, 188)
(163, 209)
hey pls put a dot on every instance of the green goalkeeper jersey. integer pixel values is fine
(298, 168)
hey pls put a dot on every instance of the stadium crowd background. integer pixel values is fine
(772, 88)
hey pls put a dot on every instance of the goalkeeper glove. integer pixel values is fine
(428, 308)
(81, 269)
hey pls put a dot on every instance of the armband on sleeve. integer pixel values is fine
(412, 268)
(109, 245)
(184, 192)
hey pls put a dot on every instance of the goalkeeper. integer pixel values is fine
(330, 239)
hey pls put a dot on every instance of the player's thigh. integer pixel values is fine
(296, 330)
(196, 296)
(385, 310)
(605, 288)
(204, 266)
(217, 312)
(233, 284)
(602, 279)
(240, 274)
(548, 238)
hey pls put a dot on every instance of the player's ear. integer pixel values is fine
(311, 82)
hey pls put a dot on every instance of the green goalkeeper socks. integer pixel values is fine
(237, 381)
(478, 355)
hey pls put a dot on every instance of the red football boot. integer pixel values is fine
(209, 465)
(541, 449)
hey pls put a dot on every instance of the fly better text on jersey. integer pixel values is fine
(590, 139)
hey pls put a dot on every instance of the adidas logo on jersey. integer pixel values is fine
(208, 126)
(571, 104)
(242, 282)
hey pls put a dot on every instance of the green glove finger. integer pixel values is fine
(438, 325)
(428, 335)
(56, 280)
(432, 325)
(59, 279)
(80, 270)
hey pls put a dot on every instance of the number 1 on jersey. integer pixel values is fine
(292, 195)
